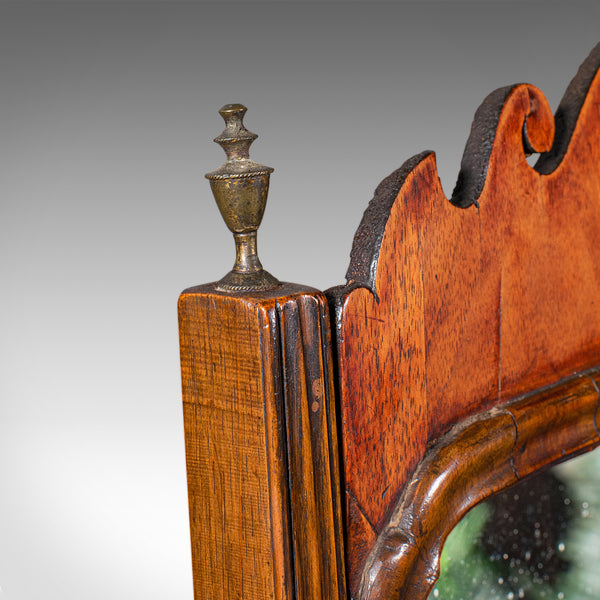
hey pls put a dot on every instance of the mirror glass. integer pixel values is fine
(539, 540)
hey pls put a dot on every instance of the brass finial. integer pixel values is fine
(240, 187)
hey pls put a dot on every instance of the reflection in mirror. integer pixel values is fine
(538, 540)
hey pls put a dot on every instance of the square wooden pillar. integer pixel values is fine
(261, 444)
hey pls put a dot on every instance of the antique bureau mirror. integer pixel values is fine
(334, 440)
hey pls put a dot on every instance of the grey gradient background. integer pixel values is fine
(107, 112)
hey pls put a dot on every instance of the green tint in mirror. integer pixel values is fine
(539, 540)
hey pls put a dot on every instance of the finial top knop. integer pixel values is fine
(235, 140)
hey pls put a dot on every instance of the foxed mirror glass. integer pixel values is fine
(538, 540)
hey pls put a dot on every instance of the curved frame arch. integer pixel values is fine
(477, 458)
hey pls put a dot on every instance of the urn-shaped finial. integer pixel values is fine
(240, 187)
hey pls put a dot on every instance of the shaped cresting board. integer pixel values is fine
(453, 307)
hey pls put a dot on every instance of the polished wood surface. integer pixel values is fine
(261, 444)
(478, 457)
(454, 307)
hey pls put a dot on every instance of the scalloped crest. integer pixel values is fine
(537, 126)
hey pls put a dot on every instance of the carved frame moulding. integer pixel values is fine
(480, 456)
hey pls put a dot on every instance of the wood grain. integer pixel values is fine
(477, 458)
(453, 307)
(261, 444)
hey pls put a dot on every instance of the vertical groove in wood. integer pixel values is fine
(312, 449)
(261, 445)
(334, 449)
(276, 453)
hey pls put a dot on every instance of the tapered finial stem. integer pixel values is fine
(240, 187)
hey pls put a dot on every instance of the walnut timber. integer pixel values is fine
(449, 311)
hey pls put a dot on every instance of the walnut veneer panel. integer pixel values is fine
(453, 307)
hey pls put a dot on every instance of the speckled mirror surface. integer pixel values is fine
(539, 540)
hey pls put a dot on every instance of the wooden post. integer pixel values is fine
(261, 444)
(259, 413)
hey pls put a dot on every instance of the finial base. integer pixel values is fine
(247, 282)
